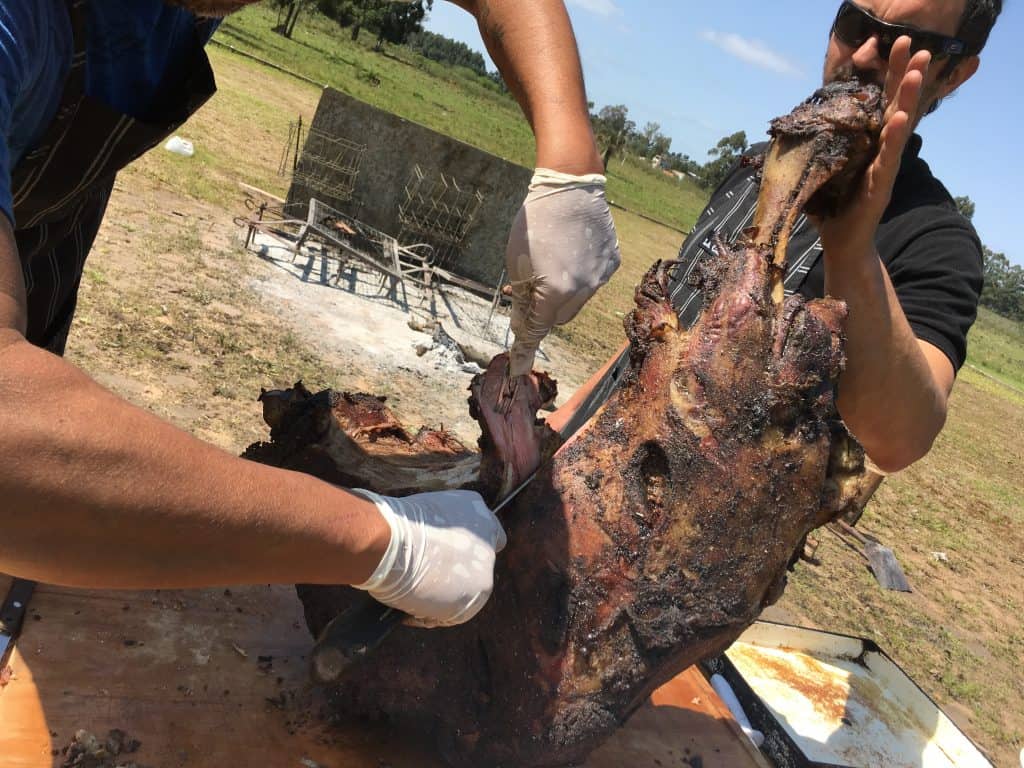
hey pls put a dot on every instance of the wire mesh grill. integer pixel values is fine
(437, 210)
(327, 165)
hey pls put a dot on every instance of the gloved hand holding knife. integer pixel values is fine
(437, 570)
(439, 564)
(561, 249)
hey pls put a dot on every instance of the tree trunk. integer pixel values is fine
(292, 18)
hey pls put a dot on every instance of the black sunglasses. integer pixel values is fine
(854, 26)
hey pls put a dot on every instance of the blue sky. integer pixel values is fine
(706, 70)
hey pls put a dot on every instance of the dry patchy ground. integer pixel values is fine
(173, 318)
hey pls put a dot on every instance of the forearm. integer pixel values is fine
(561, 417)
(533, 45)
(98, 493)
(889, 395)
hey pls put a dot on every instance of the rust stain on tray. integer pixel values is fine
(826, 688)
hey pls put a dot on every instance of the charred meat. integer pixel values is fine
(655, 535)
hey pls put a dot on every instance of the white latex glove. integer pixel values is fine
(561, 249)
(439, 564)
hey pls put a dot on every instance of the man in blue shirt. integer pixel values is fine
(86, 86)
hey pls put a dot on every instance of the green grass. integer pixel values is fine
(996, 346)
(634, 185)
(454, 101)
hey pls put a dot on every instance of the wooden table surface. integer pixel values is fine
(218, 678)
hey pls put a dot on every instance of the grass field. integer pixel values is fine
(451, 100)
(997, 348)
(166, 319)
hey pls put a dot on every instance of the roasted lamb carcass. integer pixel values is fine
(651, 538)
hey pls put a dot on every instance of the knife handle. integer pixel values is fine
(12, 612)
(12, 615)
(356, 632)
(351, 636)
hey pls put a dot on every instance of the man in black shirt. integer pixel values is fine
(906, 262)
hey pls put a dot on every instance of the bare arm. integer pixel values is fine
(893, 394)
(567, 410)
(99, 493)
(533, 45)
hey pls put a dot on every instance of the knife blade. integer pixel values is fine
(12, 615)
(514, 492)
(356, 632)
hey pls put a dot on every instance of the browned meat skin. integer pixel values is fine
(653, 536)
(649, 542)
(817, 152)
(356, 442)
(513, 442)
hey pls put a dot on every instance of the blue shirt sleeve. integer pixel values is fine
(12, 75)
(6, 204)
(35, 55)
(133, 47)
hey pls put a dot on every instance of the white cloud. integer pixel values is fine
(751, 51)
(600, 7)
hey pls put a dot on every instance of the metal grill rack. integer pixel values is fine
(438, 211)
(344, 239)
(328, 166)
(346, 247)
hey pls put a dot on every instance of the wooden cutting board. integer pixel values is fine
(217, 678)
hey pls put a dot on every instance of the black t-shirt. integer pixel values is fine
(931, 251)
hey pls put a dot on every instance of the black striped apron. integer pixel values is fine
(730, 211)
(61, 187)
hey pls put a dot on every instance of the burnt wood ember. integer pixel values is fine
(651, 538)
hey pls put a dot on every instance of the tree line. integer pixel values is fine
(618, 135)
(399, 23)
(1004, 282)
(445, 50)
(391, 22)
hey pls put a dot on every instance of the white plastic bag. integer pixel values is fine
(180, 146)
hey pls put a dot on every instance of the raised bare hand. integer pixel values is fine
(854, 228)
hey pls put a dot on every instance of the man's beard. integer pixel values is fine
(215, 8)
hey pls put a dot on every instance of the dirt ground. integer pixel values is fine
(216, 337)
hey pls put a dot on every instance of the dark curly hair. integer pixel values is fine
(977, 21)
